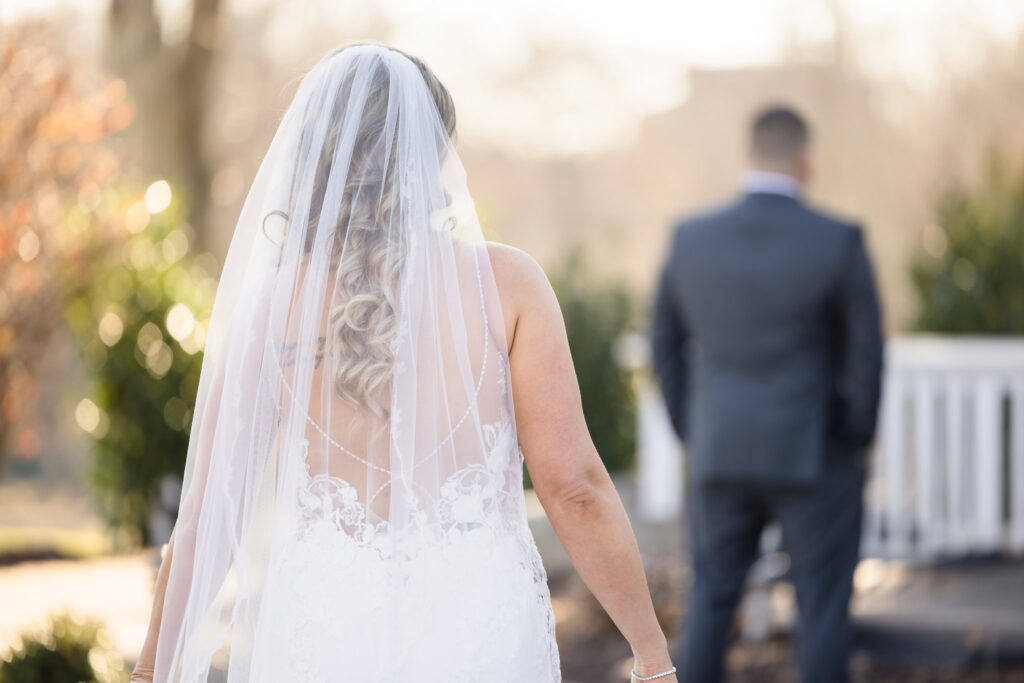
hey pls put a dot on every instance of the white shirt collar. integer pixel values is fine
(771, 182)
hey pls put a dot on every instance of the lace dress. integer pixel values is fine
(467, 601)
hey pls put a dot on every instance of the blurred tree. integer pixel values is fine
(597, 313)
(141, 325)
(51, 155)
(66, 650)
(170, 84)
(970, 276)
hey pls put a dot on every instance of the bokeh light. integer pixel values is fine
(111, 328)
(180, 321)
(28, 246)
(136, 218)
(87, 415)
(158, 197)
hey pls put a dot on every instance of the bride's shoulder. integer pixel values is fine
(515, 271)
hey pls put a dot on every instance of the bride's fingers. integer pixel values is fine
(141, 676)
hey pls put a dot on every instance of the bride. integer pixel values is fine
(353, 507)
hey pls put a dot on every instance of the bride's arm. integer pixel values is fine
(143, 670)
(568, 476)
(184, 526)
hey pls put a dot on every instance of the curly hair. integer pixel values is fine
(364, 320)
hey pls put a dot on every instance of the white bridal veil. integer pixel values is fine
(353, 417)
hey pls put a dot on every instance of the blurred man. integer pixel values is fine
(768, 348)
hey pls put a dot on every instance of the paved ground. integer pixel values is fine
(960, 613)
(116, 589)
(956, 622)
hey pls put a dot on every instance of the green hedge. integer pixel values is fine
(597, 313)
(140, 326)
(66, 650)
(969, 277)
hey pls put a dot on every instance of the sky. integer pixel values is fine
(611, 63)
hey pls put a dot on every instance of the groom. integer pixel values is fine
(768, 348)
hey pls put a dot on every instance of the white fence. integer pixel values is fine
(948, 467)
(947, 471)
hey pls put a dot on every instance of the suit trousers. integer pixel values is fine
(821, 529)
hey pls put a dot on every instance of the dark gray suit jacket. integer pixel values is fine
(767, 342)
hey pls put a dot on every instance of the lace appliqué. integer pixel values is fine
(480, 497)
(469, 561)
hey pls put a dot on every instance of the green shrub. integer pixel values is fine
(970, 276)
(597, 312)
(66, 650)
(140, 325)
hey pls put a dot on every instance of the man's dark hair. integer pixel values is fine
(777, 135)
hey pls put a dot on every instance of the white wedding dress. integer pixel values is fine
(472, 604)
(467, 598)
(352, 506)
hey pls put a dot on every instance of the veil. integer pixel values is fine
(354, 390)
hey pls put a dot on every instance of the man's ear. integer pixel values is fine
(804, 165)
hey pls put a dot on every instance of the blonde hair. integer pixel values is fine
(363, 324)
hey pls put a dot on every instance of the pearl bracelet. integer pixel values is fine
(638, 677)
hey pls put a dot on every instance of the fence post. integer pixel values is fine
(897, 527)
(660, 459)
(988, 458)
(925, 468)
(1016, 536)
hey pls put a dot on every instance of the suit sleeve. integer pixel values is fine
(859, 377)
(669, 336)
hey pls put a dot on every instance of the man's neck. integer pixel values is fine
(771, 182)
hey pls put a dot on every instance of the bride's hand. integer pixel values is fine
(141, 674)
(651, 665)
(671, 678)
